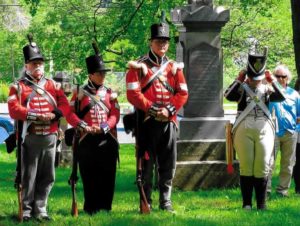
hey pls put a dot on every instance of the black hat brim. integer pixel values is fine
(166, 38)
(100, 70)
(35, 58)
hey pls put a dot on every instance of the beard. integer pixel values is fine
(40, 70)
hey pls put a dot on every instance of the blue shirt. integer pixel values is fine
(287, 112)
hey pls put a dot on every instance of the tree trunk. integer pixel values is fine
(295, 5)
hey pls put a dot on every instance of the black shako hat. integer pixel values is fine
(61, 76)
(160, 30)
(257, 65)
(95, 62)
(32, 52)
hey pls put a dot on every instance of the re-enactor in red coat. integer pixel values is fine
(157, 88)
(97, 151)
(37, 103)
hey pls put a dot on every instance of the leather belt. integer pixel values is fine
(32, 130)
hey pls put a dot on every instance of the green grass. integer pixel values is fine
(213, 207)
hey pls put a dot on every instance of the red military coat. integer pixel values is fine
(96, 115)
(22, 102)
(140, 73)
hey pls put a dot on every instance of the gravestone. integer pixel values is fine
(201, 161)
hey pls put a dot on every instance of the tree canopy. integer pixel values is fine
(65, 29)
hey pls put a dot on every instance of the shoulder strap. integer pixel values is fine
(256, 100)
(96, 101)
(155, 76)
(39, 88)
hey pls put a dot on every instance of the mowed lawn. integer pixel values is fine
(210, 207)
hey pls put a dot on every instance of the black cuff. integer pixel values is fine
(104, 126)
(81, 125)
(58, 114)
(171, 108)
(153, 110)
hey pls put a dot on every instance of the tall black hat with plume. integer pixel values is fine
(31, 51)
(160, 30)
(95, 62)
(257, 65)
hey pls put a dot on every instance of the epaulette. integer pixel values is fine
(57, 85)
(113, 95)
(14, 85)
(138, 65)
(176, 66)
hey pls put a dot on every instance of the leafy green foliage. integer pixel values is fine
(64, 31)
(3, 92)
(33, 5)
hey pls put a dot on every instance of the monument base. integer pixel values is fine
(201, 150)
(195, 175)
(200, 128)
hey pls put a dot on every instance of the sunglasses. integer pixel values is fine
(280, 76)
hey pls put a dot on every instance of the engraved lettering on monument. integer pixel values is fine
(203, 81)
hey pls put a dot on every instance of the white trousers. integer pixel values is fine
(253, 141)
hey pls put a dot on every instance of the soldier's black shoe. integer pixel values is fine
(26, 218)
(44, 218)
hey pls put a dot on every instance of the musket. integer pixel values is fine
(18, 179)
(18, 128)
(144, 205)
(74, 177)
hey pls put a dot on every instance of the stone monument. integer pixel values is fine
(201, 145)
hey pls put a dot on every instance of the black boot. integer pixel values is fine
(260, 185)
(296, 170)
(246, 183)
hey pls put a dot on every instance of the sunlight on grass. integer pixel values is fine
(209, 207)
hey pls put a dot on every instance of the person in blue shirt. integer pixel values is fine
(287, 112)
